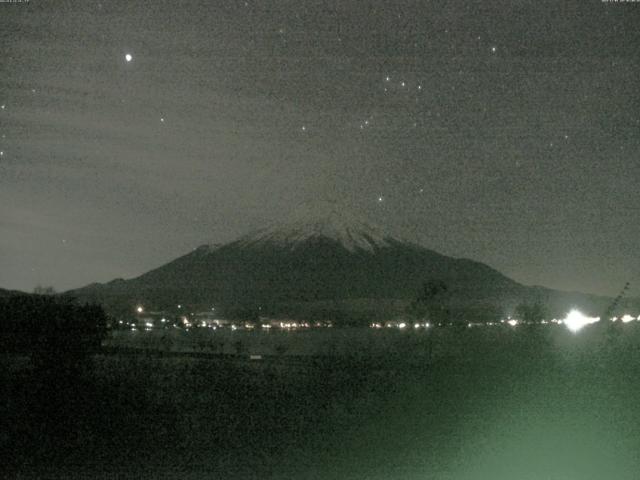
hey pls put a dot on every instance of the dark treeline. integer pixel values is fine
(47, 399)
(50, 328)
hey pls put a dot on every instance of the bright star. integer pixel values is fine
(128, 57)
(493, 49)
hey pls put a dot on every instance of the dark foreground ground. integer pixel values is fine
(523, 404)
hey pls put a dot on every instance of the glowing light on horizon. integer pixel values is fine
(139, 309)
(576, 320)
(627, 318)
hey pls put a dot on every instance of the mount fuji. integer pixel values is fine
(322, 262)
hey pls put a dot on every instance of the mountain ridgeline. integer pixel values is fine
(327, 267)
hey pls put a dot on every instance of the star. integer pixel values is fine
(2, 106)
(162, 119)
(494, 49)
(304, 128)
(128, 57)
(1, 154)
(380, 199)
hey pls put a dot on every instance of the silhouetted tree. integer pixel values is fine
(54, 331)
(431, 303)
(531, 312)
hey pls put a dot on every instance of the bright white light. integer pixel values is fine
(512, 322)
(402, 325)
(139, 309)
(576, 320)
(627, 318)
(149, 324)
(128, 57)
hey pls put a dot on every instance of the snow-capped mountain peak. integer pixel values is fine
(326, 221)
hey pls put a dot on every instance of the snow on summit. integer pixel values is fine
(325, 220)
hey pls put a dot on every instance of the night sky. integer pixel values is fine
(506, 132)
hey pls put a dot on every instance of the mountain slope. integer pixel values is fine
(323, 261)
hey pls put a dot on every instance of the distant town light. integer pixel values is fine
(627, 318)
(576, 320)
(402, 325)
(512, 322)
(139, 309)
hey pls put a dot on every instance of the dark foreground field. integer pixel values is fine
(538, 403)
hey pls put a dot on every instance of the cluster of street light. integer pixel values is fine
(574, 321)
